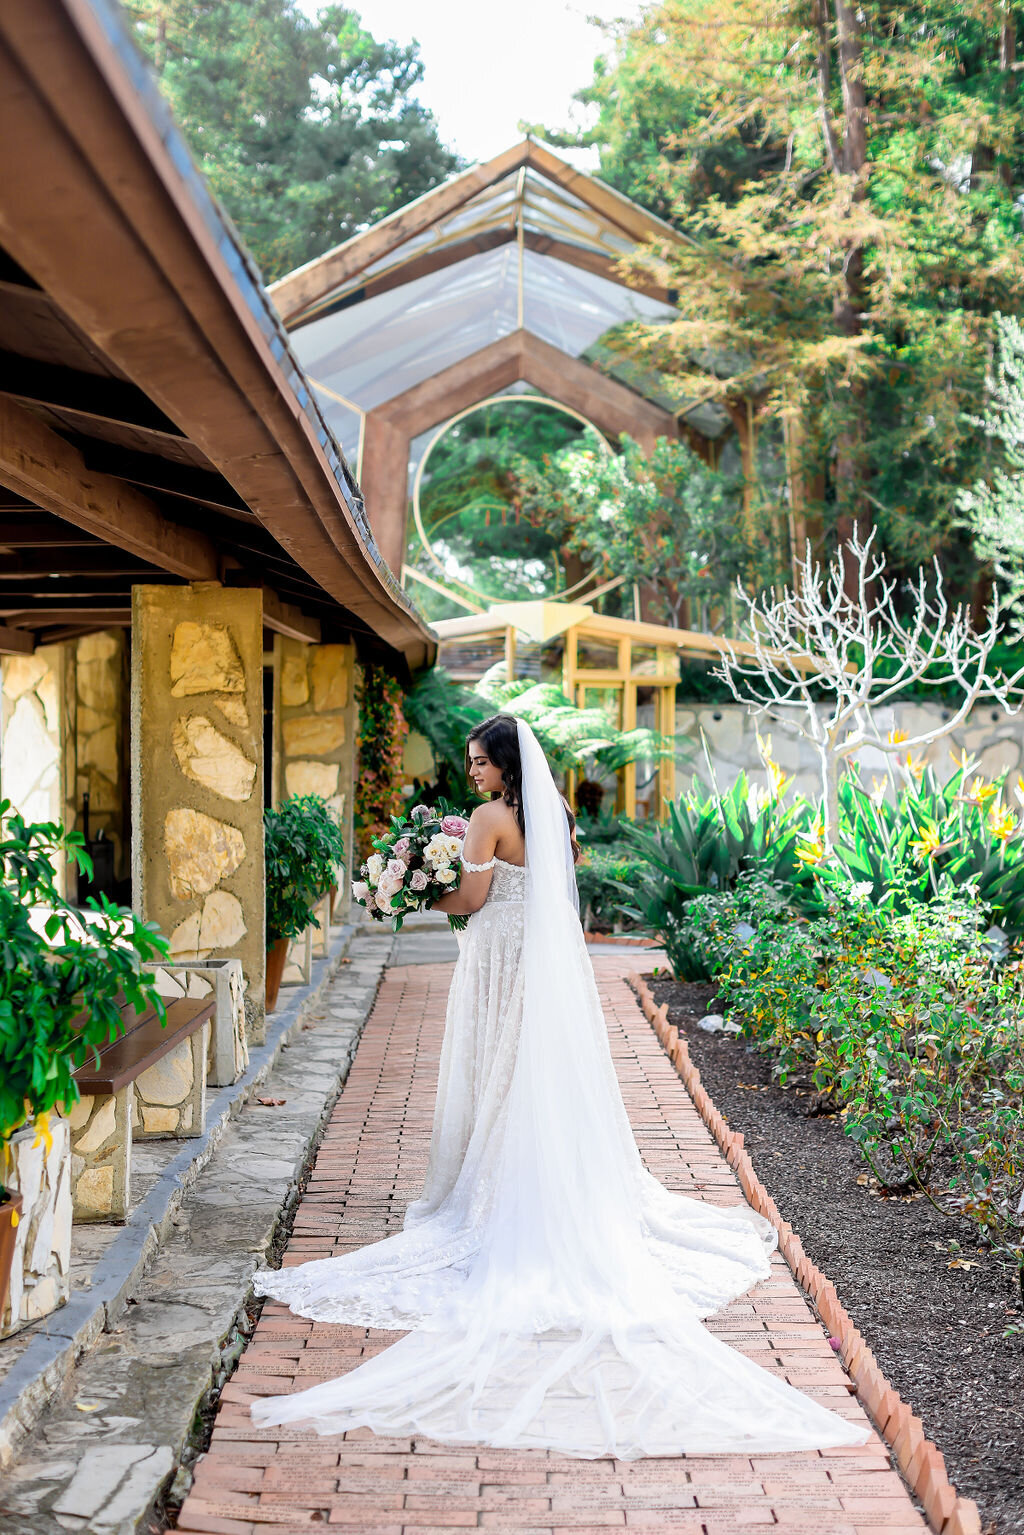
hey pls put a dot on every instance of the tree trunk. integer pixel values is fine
(852, 507)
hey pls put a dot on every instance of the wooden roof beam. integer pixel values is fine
(37, 463)
(16, 642)
(314, 280)
(91, 395)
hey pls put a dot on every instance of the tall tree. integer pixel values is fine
(847, 177)
(307, 128)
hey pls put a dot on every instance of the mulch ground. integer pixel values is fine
(938, 1332)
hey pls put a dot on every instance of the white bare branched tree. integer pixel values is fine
(819, 664)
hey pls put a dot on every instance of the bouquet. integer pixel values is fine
(413, 865)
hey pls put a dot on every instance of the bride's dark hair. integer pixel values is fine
(499, 737)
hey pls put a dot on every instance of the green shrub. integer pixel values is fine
(607, 878)
(902, 1020)
(708, 842)
(303, 850)
(62, 989)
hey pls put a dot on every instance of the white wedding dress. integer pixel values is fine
(552, 1289)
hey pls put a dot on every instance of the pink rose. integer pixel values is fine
(455, 826)
(418, 880)
(387, 886)
(360, 889)
(401, 849)
(396, 870)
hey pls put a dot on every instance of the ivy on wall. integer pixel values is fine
(382, 733)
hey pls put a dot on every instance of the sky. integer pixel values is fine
(487, 65)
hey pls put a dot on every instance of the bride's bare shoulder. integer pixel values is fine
(494, 815)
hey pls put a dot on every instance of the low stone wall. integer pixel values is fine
(101, 1155)
(731, 734)
(228, 1052)
(41, 1273)
(169, 1098)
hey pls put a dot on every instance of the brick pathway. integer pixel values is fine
(276, 1480)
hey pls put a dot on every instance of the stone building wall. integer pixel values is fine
(315, 729)
(731, 732)
(101, 697)
(197, 774)
(37, 735)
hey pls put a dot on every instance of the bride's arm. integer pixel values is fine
(479, 846)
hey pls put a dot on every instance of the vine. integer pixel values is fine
(382, 733)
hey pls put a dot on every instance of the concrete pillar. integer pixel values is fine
(101, 690)
(37, 736)
(315, 730)
(197, 775)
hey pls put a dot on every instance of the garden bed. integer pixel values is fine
(938, 1332)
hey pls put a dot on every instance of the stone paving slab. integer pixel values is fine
(103, 1450)
(370, 1164)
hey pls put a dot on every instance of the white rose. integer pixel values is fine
(387, 886)
(360, 889)
(445, 876)
(375, 867)
(441, 850)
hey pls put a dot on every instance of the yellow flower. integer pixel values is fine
(914, 766)
(896, 736)
(963, 761)
(811, 850)
(878, 788)
(980, 791)
(1003, 823)
(1019, 789)
(43, 1133)
(929, 843)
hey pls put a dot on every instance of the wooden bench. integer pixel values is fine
(149, 1082)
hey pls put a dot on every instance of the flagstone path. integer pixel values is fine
(371, 1163)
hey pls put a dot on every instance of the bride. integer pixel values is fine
(550, 1289)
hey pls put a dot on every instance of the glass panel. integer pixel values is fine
(597, 656)
(645, 660)
(609, 699)
(467, 660)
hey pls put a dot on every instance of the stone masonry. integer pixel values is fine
(197, 774)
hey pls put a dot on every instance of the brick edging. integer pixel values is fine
(919, 1459)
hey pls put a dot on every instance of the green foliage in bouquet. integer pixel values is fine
(64, 973)
(303, 850)
(418, 827)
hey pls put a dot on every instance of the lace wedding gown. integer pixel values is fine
(552, 1288)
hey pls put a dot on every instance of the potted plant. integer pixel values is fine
(303, 848)
(64, 975)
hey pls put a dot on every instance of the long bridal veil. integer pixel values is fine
(555, 1295)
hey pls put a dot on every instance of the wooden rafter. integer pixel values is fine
(317, 279)
(38, 464)
(82, 394)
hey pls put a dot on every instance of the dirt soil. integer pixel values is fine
(937, 1331)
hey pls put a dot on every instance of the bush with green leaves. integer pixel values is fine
(606, 877)
(898, 1016)
(303, 851)
(708, 842)
(64, 973)
(574, 740)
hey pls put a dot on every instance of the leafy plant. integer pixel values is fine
(898, 1017)
(303, 849)
(708, 842)
(382, 733)
(64, 973)
(576, 740)
(606, 878)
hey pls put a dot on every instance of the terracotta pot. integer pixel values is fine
(277, 958)
(10, 1215)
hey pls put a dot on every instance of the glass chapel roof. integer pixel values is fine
(525, 252)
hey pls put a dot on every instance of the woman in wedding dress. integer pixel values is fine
(550, 1289)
